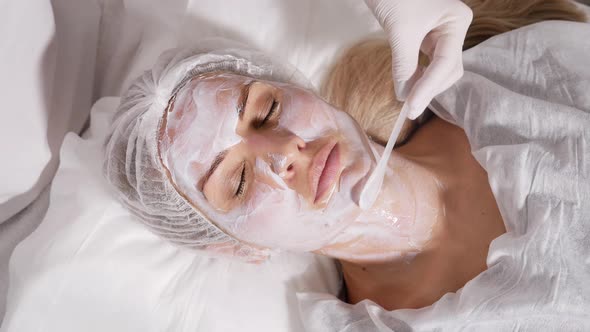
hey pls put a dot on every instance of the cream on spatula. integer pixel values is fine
(373, 185)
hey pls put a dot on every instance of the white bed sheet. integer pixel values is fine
(47, 61)
(13, 231)
(47, 57)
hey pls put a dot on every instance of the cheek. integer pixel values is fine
(271, 215)
(273, 220)
(275, 216)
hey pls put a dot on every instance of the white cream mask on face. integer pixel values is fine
(202, 123)
(274, 213)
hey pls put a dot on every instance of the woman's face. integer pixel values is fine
(270, 163)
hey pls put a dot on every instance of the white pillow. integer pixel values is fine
(305, 33)
(91, 266)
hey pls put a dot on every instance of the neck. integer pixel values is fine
(404, 283)
(413, 262)
(402, 220)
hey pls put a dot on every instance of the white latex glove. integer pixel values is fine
(437, 28)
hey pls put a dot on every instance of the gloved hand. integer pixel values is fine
(438, 28)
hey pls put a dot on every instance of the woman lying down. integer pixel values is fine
(222, 149)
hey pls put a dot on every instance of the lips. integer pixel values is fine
(325, 170)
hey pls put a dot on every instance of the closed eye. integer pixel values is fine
(242, 186)
(274, 106)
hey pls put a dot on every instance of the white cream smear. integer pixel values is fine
(203, 123)
(398, 225)
(373, 185)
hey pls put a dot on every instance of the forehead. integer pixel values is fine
(218, 78)
(200, 121)
(203, 99)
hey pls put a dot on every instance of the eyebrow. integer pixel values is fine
(243, 99)
(216, 162)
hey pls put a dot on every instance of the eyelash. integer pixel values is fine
(241, 187)
(273, 108)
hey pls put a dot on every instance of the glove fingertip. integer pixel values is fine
(415, 111)
(413, 114)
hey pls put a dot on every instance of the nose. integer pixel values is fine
(281, 149)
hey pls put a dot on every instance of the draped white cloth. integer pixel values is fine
(524, 103)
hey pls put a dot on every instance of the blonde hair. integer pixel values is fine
(360, 82)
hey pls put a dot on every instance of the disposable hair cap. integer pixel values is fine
(132, 163)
